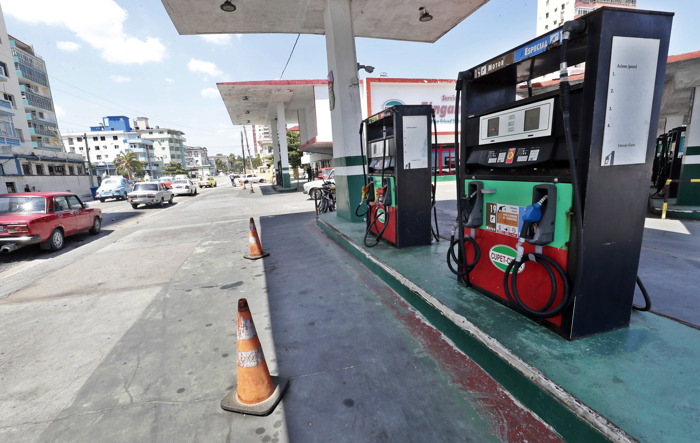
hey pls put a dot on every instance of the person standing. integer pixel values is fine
(309, 173)
(26, 188)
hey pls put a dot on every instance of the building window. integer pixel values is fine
(39, 169)
(51, 170)
(94, 139)
(99, 157)
(546, 15)
(26, 169)
(70, 140)
(70, 170)
(115, 137)
(10, 98)
(11, 187)
(102, 137)
(79, 139)
(97, 148)
(562, 6)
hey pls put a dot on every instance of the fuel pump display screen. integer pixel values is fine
(532, 119)
(520, 123)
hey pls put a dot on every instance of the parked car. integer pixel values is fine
(252, 178)
(150, 194)
(207, 182)
(114, 186)
(45, 218)
(312, 187)
(166, 180)
(184, 187)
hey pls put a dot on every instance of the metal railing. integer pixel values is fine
(666, 192)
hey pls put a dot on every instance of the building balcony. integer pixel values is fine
(43, 131)
(3, 74)
(34, 101)
(42, 145)
(33, 117)
(6, 107)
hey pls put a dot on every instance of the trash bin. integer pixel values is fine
(93, 190)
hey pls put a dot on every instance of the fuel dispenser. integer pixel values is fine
(398, 190)
(552, 184)
(669, 160)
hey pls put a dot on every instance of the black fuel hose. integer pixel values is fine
(462, 276)
(374, 221)
(548, 264)
(436, 231)
(645, 294)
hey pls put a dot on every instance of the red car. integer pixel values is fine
(44, 217)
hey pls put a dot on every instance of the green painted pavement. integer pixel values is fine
(642, 379)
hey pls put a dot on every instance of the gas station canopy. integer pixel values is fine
(387, 19)
(255, 102)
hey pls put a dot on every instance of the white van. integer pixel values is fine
(114, 186)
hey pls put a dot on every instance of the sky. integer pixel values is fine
(125, 57)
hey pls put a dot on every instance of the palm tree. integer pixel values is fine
(128, 164)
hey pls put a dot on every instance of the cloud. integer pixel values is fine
(119, 78)
(208, 68)
(210, 93)
(169, 80)
(68, 46)
(99, 23)
(217, 39)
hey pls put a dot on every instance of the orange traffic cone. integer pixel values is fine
(256, 392)
(243, 184)
(254, 246)
(251, 188)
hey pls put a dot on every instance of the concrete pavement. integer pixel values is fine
(131, 337)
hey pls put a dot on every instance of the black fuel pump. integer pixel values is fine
(552, 182)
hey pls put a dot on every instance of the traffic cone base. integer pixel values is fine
(231, 402)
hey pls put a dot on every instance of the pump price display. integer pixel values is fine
(503, 219)
(633, 63)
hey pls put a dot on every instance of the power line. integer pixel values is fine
(290, 56)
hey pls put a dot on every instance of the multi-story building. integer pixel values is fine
(197, 162)
(30, 150)
(168, 144)
(102, 144)
(262, 140)
(553, 13)
(36, 96)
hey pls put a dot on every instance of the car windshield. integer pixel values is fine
(22, 205)
(165, 179)
(145, 187)
(111, 181)
(180, 182)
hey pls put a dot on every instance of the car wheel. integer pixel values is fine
(102, 200)
(315, 194)
(56, 240)
(134, 205)
(170, 202)
(96, 226)
(160, 203)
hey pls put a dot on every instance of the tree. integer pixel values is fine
(174, 168)
(220, 165)
(128, 164)
(293, 149)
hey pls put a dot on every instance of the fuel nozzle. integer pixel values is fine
(531, 217)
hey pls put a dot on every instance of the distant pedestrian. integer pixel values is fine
(33, 188)
(309, 173)
(26, 188)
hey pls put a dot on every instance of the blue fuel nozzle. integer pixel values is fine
(533, 213)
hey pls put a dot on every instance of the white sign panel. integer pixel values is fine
(415, 142)
(633, 63)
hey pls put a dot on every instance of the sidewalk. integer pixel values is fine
(639, 383)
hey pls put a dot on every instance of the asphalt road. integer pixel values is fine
(131, 336)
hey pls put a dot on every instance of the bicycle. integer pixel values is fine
(326, 199)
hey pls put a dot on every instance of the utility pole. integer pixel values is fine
(243, 151)
(252, 169)
(87, 153)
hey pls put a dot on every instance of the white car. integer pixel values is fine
(252, 178)
(184, 187)
(150, 194)
(311, 187)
